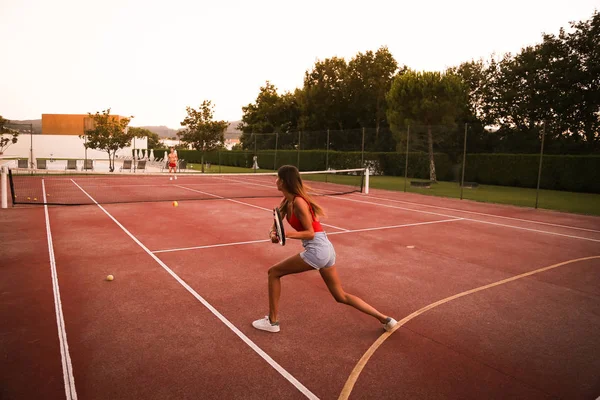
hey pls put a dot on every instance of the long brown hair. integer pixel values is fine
(292, 182)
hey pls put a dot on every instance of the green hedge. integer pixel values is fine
(559, 172)
(571, 173)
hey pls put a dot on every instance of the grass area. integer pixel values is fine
(580, 203)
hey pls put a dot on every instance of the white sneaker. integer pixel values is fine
(175, 177)
(171, 178)
(389, 325)
(264, 324)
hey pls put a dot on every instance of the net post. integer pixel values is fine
(4, 187)
(366, 188)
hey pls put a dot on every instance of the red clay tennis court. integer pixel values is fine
(493, 301)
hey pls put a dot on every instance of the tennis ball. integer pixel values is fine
(175, 204)
(35, 198)
(29, 198)
(110, 278)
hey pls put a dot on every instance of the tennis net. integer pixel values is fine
(77, 188)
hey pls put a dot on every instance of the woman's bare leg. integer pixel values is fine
(332, 280)
(292, 265)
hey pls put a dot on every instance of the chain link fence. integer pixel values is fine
(460, 161)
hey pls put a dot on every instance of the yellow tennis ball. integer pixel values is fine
(35, 198)
(175, 204)
(29, 198)
(110, 278)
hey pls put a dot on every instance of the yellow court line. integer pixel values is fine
(347, 389)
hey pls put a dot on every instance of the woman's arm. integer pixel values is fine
(303, 213)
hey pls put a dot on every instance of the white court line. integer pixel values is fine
(209, 246)
(65, 357)
(349, 385)
(206, 304)
(469, 219)
(395, 226)
(484, 214)
(246, 204)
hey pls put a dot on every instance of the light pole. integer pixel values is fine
(31, 146)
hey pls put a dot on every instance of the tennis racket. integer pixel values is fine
(279, 230)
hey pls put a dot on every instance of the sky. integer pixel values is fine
(151, 59)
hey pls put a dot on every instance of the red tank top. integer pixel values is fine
(297, 225)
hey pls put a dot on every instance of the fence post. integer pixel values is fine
(4, 187)
(275, 158)
(327, 152)
(299, 136)
(362, 149)
(32, 163)
(540, 167)
(85, 150)
(255, 158)
(462, 179)
(406, 165)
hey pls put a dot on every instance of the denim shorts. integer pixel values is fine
(318, 252)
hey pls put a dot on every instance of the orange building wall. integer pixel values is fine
(67, 124)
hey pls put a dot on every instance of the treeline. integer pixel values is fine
(506, 101)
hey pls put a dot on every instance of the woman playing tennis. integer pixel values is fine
(302, 213)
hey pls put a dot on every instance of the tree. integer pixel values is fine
(574, 70)
(270, 113)
(325, 100)
(201, 132)
(474, 76)
(344, 96)
(5, 142)
(336, 95)
(554, 83)
(153, 138)
(427, 98)
(109, 133)
(370, 77)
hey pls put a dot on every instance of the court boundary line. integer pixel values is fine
(467, 219)
(276, 366)
(65, 357)
(470, 219)
(208, 246)
(246, 204)
(362, 362)
(485, 214)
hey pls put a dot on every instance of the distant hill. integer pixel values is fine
(232, 132)
(165, 132)
(162, 131)
(36, 124)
